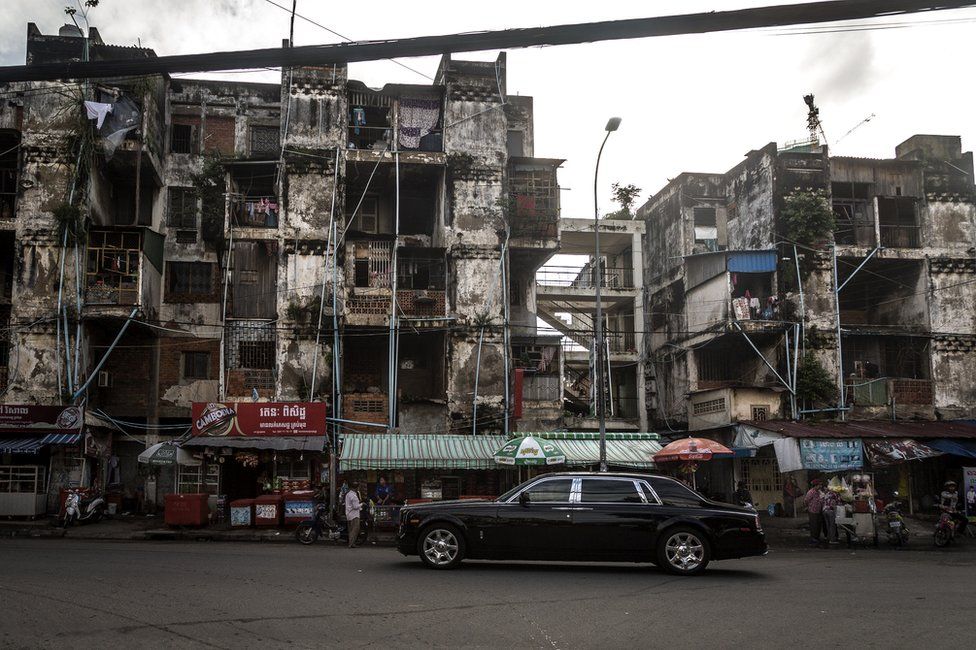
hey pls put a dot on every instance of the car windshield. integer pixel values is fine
(515, 490)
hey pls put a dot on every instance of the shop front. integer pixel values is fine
(254, 452)
(41, 453)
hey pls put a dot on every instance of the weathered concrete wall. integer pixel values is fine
(752, 200)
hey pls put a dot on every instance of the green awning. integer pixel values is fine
(364, 451)
(589, 435)
(637, 454)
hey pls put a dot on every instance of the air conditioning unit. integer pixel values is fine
(104, 379)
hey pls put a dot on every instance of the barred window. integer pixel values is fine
(190, 279)
(256, 354)
(182, 208)
(265, 139)
(709, 406)
(196, 365)
(184, 138)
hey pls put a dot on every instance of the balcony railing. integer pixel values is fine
(896, 236)
(255, 213)
(880, 392)
(576, 278)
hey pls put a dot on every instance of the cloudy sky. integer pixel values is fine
(688, 103)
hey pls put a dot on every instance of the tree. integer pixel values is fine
(813, 383)
(625, 196)
(808, 219)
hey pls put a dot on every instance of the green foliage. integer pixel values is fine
(210, 185)
(625, 196)
(807, 218)
(70, 220)
(813, 383)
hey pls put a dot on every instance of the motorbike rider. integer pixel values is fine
(949, 503)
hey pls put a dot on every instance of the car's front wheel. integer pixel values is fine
(441, 546)
(683, 551)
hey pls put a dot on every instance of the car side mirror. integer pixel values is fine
(524, 499)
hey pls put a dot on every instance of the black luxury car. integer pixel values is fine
(584, 517)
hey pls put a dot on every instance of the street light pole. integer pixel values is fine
(612, 125)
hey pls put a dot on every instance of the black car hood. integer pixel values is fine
(729, 507)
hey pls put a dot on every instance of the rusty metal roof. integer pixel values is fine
(867, 429)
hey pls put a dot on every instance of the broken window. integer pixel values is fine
(265, 140)
(184, 138)
(898, 221)
(535, 357)
(852, 208)
(9, 142)
(254, 276)
(367, 218)
(112, 268)
(196, 365)
(706, 229)
(254, 200)
(533, 200)
(182, 208)
(189, 281)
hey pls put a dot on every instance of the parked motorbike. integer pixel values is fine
(323, 525)
(895, 524)
(945, 530)
(77, 510)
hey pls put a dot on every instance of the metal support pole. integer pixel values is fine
(330, 244)
(104, 358)
(392, 365)
(598, 321)
(840, 350)
(760, 355)
(223, 315)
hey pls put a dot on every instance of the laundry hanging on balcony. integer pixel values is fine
(417, 118)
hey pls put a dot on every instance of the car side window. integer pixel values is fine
(551, 491)
(672, 493)
(602, 490)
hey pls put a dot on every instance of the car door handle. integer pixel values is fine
(578, 509)
(564, 508)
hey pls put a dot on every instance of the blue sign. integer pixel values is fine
(831, 455)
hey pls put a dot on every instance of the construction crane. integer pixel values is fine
(856, 127)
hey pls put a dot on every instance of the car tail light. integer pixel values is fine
(758, 524)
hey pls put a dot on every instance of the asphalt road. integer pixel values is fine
(80, 594)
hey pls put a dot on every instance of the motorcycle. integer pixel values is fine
(945, 529)
(323, 525)
(895, 524)
(78, 510)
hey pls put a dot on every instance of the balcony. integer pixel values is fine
(884, 390)
(113, 268)
(533, 210)
(417, 116)
(900, 236)
(254, 213)
(575, 278)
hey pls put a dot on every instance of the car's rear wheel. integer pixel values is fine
(683, 551)
(441, 546)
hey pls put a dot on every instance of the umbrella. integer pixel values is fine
(166, 453)
(529, 451)
(692, 449)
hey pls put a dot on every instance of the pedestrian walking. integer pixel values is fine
(353, 507)
(790, 492)
(813, 500)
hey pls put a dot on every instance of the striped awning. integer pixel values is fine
(637, 454)
(364, 451)
(33, 445)
(589, 435)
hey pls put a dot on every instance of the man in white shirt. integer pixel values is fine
(353, 508)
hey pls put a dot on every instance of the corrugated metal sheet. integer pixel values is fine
(701, 268)
(418, 451)
(752, 261)
(867, 429)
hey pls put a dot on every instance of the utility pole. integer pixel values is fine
(612, 125)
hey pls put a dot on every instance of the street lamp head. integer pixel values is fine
(613, 124)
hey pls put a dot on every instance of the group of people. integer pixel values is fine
(353, 507)
(821, 504)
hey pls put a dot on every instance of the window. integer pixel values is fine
(189, 280)
(515, 143)
(256, 354)
(706, 229)
(182, 208)
(184, 138)
(603, 490)
(265, 140)
(367, 219)
(551, 491)
(197, 480)
(672, 493)
(705, 217)
(709, 406)
(760, 413)
(196, 365)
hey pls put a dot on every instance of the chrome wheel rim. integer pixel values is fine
(440, 546)
(685, 551)
(307, 534)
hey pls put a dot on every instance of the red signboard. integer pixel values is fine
(32, 418)
(258, 419)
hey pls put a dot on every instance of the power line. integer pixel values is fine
(828, 11)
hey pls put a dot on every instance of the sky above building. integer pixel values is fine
(688, 103)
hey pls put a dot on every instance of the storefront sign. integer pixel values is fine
(882, 453)
(831, 455)
(257, 419)
(969, 490)
(31, 418)
(299, 509)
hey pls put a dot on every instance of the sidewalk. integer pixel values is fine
(152, 528)
(795, 531)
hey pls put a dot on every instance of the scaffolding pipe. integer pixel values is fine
(223, 316)
(101, 362)
(329, 243)
(392, 364)
(789, 371)
(760, 354)
(78, 302)
(797, 332)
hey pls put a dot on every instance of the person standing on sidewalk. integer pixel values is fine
(814, 503)
(830, 501)
(353, 508)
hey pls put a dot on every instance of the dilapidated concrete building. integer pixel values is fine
(736, 300)
(315, 240)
